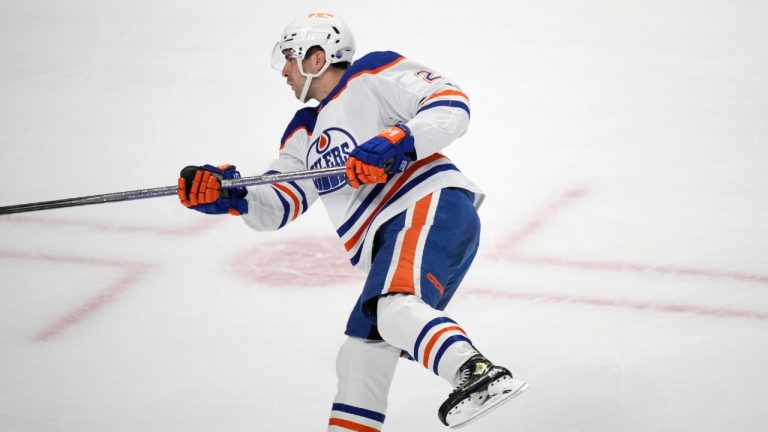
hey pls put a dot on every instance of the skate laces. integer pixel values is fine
(465, 374)
(474, 367)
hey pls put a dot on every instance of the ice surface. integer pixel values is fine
(623, 271)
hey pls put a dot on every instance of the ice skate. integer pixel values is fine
(483, 387)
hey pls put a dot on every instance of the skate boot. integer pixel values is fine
(483, 387)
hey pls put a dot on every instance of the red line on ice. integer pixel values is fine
(535, 224)
(637, 268)
(133, 272)
(71, 259)
(538, 297)
(203, 224)
(91, 306)
(565, 200)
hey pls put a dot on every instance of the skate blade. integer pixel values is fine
(471, 414)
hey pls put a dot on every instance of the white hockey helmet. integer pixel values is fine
(315, 29)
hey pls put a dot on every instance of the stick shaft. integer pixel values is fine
(169, 190)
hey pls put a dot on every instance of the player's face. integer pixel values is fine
(293, 76)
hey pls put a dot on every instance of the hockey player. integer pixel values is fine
(404, 213)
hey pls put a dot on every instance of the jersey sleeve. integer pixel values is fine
(271, 207)
(435, 109)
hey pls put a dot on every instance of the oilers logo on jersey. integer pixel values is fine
(330, 149)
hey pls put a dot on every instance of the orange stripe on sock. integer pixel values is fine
(346, 424)
(433, 341)
(293, 197)
(402, 281)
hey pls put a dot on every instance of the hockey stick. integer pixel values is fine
(169, 190)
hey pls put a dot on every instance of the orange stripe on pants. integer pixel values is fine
(346, 424)
(402, 281)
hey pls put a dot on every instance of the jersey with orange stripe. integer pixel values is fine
(278, 204)
(379, 90)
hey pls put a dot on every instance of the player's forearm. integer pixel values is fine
(267, 212)
(437, 128)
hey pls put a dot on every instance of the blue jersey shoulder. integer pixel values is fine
(370, 62)
(365, 64)
(305, 118)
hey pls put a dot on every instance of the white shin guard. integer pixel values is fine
(365, 370)
(427, 334)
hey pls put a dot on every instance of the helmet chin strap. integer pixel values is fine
(308, 81)
(305, 90)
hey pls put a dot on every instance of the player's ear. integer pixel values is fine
(318, 59)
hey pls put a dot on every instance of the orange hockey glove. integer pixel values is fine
(387, 153)
(200, 189)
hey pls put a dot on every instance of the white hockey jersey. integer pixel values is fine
(378, 90)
